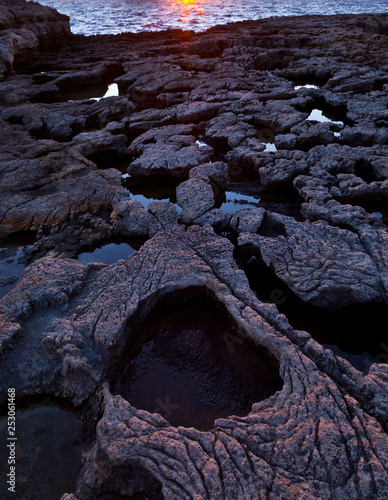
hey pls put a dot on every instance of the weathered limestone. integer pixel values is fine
(324, 265)
(25, 29)
(197, 195)
(85, 334)
(216, 113)
(168, 151)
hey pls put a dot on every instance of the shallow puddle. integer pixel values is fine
(201, 144)
(354, 333)
(379, 210)
(47, 452)
(251, 194)
(154, 190)
(93, 92)
(383, 214)
(108, 253)
(319, 116)
(267, 137)
(188, 363)
(270, 147)
(112, 91)
(236, 201)
(14, 258)
(306, 86)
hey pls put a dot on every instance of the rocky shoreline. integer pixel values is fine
(251, 154)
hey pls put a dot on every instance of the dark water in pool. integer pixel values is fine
(95, 92)
(247, 194)
(48, 452)
(189, 364)
(153, 190)
(14, 257)
(108, 253)
(90, 17)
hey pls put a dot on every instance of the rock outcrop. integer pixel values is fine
(26, 28)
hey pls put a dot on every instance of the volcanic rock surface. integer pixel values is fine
(287, 115)
(25, 29)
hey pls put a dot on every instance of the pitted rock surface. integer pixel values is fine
(219, 113)
(74, 317)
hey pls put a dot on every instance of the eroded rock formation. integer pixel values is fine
(26, 28)
(274, 134)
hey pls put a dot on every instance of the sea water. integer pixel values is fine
(90, 17)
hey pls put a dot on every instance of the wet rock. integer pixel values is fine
(279, 169)
(285, 141)
(62, 121)
(247, 220)
(327, 266)
(131, 219)
(228, 131)
(196, 197)
(245, 156)
(195, 112)
(94, 75)
(25, 28)
(17, 43)
(17, 89)
(146, 80)
(310, 135)
(101, 146)
(200, 259)
(215, 174)
(56, 192)
(165, 213)
(216, 218)
(167, 151)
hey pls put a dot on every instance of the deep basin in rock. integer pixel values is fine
(355, 332)
(48, 451)
(188, 363)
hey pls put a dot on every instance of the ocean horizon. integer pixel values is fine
(93, 17)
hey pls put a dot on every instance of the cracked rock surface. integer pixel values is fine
(274, 134)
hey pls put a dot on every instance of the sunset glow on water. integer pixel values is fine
(91, 17)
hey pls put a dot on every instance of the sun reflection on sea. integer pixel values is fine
(190, 9)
